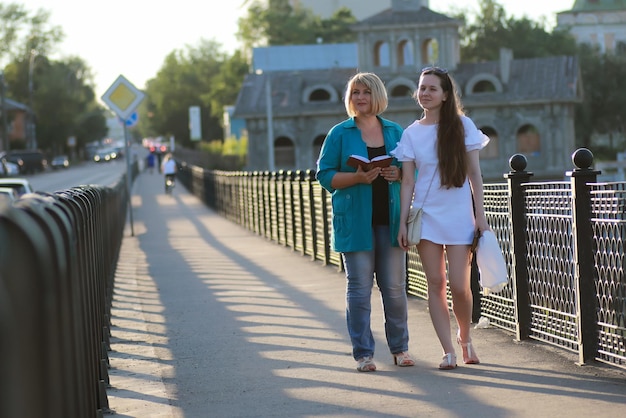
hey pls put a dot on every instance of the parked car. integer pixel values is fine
(105, 155)
(29, 161)
(20, 185)
(8, 195)
(8, 169)
(60, 161)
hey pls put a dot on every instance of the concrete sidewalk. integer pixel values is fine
(211, 320)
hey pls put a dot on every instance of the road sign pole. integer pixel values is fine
(123, 98)
(129, 175)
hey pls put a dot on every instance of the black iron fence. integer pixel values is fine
(563, 243)
(58, 254)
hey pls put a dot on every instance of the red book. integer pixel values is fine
(367, 164)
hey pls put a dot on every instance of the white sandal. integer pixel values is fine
(366, 364)
(403, 359)
(449, 362)
(469, 354)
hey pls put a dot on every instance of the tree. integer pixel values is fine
(278, 23)
(225, 85)
(22, 32)
(492, 30)
(604, 81)
(61, 96)
(184, 80)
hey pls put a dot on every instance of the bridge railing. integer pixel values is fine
(563, 241)
(58, 255)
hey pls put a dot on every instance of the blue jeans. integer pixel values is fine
(389, 265)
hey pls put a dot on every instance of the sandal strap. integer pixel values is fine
(449, 361)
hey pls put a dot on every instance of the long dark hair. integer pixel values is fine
(451, 149)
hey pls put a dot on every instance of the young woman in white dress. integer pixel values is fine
(443, 146)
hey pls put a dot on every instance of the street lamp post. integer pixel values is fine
(270, 118)
(270, 122)
(5, 129)
(32, 139)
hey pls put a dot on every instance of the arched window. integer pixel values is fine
(492, 150)
(381, 54)
(430, 51)
(284, 153)
(528, 140)
(401, 91)
(484, 86)
(319, 95)
(317, 147)
(405, 53)
(483, 83)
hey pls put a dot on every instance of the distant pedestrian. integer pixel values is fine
(151, 162)
(169, 169)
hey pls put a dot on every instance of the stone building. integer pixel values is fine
(295, 93)
(18, 124)
(597, 22)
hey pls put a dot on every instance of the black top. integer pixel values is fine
(380, 192)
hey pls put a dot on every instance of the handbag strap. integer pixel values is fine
(428, 190)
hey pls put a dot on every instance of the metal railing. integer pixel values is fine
(58, 255)
(563, 243)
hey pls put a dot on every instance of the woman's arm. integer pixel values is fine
(476, 182)
(406, 197)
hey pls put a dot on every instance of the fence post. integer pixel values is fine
(519, 256)
(585, 274)
(314, 218)
(266, 197)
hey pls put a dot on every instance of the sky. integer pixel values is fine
(133, 37)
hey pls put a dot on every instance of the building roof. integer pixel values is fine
(13, 105)
(532, 80)
(395, 17)
(287, 89)
(598, 5)
(304, 57)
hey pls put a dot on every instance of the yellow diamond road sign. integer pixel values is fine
(123, 97)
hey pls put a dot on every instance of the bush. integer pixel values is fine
(229, 155)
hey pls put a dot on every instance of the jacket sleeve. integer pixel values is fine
(329, 161)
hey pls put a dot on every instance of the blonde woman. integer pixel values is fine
(366, 210)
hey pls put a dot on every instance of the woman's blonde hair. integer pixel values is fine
(375, 85)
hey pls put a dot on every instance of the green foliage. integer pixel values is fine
(230, 146)
(197, 76)
(63, 98)
(217, 155)
(204, 76)
(603, 75)
(212, 147)
(492, 30)
(224, 86)
(604, 81)
(233, 146)
(278, 23)
(22, 32)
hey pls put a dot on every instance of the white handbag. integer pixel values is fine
(414, 220)
(414, 226)
(491, 265)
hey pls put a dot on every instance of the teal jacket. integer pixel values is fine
(352, 206)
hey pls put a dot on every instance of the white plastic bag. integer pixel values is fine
(491, 265)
